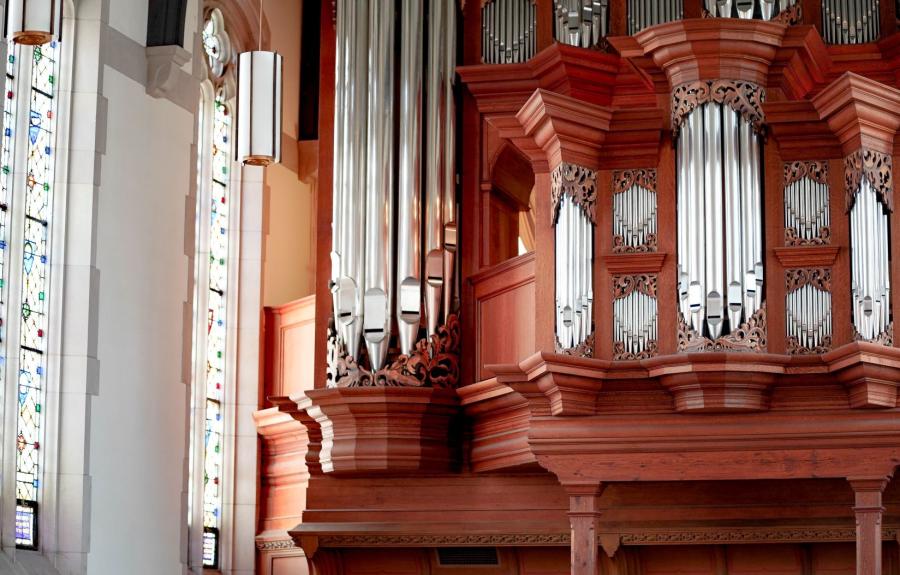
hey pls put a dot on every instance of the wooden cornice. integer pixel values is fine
(801, 63)
(799, 132)
(806, 256)
(566, 129)
(634, 263)
(862, 113)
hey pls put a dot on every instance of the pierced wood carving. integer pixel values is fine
(635, 328)
(823, 239)
(875, 167)
(634, 224)
(434, 362)
(793, 347)
(749, 336)
(583, 349)
(819, 278)
(745, 98)
(623, 286)
(651, 348)
(791, 15)
(796, 171)
(577, 182)
(623, 180)
(885, 338)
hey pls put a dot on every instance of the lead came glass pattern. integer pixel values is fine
(35, 283)
(216, 330)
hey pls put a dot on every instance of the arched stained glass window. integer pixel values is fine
(26, 193)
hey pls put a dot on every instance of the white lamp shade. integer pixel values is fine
(33, 22)
(259, 108)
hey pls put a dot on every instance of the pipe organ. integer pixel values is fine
(645, 13)
(635, 328)
(807, 210)
(581, 22)
(808, 310)
(508, 31)
(869, 200)
(573, 195)
(720, 213)
(389, 224)
(851, 21)
(758, 9)
(634, 211)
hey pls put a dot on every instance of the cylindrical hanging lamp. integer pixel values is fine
(259, 108)
(33, 22)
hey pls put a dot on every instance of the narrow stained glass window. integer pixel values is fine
(34, 288)
(216, 324)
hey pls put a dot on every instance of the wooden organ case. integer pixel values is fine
(694, 369)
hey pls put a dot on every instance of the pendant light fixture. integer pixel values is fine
(259, 105)
(33, 22)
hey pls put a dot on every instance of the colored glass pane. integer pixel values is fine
(219, 150)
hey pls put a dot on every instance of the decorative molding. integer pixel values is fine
(623, 286)
(807, 256)
(275, 544)
(885, 338)
(814, 170)
(875, 167)
(745, 98)
(434, 362)
(819, 278)
(623, 180)
(749, 336)
(577, 182)
(634, 263)
(748, 535)
(791, 15)
(583, 349)
(499, 540)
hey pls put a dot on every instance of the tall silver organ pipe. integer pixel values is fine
(645, 13)
(508, 31)
(747, 9)
(720, 232)
(870, 271)
(378, 249)
(851, 21)
(807, 216)
(378, 216)
(634, 218)
(635, 318)
(574, 279)
(581, 22)
(409, 192)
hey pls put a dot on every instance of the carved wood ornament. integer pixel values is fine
(577, 182)
(749, 336)
(745, 98)
(818, 173)
(583, 349)
(875, 167)
(885, 338)
(434, 362)
(791, 15)
(820, 279)
(624, 180)
(623, 286)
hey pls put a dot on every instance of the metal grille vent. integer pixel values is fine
(448, 556)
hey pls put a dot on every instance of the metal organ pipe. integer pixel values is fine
(719, 220)
(747, 9)
(378, 237)
(869, 262)
(507, 31)
(645, 13)
(581, 22)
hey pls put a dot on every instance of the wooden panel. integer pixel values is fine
(765, 559)
(385, 562)
(293, 565)
(834, 559)
(289, 342)
(686, 560)
(544, 561)
(504, 313)
(508, 565)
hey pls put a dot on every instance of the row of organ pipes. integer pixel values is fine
(574, 274)
(806, 208)
(808, 316)
(380, 248)
(509, 26)
(870, 267)
(635, 322)
(634, 216)
(851, 21)
(720, 233)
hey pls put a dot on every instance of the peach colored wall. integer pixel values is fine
(288, 272)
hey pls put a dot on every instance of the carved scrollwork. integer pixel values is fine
(434, 362)
(791, 15)
(583, 349)
(651, 348)
(885, 338)
(749, 336)
(623, 286)
(577, 182)
(791, 239)
(819, 278)
(794, 347)
(623, 180)
(745, 98)
(876, 168)
(650, 245)
(796, 171)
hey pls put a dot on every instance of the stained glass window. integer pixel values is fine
(219, 152)
(38, 193)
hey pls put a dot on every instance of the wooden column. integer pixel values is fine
(869, 510)
(584, 519)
